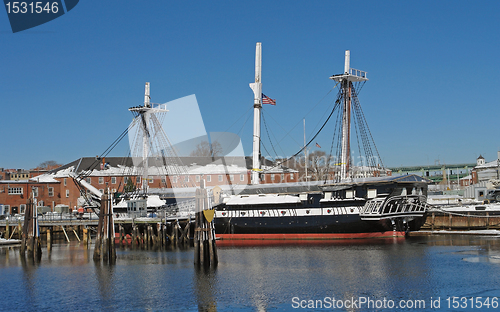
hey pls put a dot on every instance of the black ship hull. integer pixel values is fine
(335, 213)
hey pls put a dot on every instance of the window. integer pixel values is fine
(67, 193)
(88, 180)
(138, 179)
(151, 180)
(242, 177)
(174, 179)
(186, 179)
(51, 191)
(6, 209)
(15, 190)
(35, 191)
(65, 182)
(22, 208)
(100, 190)
(209, 178)
(163, 180)
(125, 180)
(113, 180)
(197, 178)
(220, 177)
(291, 176)
(282, 177)
(101, 180)
(113, 191)
(272, 176)
(40, 203)
(231, 177)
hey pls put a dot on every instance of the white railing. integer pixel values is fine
(357, 73)
(381, 208)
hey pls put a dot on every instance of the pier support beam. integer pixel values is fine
(85, 237)
(30, 236)
(49, 239)
(204, 234)
(105, 244)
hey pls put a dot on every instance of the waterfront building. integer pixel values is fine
(485, 171)
(56, 187)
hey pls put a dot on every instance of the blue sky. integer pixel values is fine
(65, 86)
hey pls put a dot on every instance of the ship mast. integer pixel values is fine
(257, 105)
(144, 112)
(350, 75)
(145, 141)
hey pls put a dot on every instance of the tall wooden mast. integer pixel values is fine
(257, 105)
(346, 79)
(145, 112)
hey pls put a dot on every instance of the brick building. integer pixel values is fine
(56, 187)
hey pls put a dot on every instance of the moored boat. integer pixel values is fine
(351, 206)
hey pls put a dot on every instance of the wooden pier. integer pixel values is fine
(470, 220)
(142, 233)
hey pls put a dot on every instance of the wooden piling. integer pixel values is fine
(30, 233)
(159, 238)
(204, 238)
(120, 235)
(150, 236)
(7, 229)
(85, 238)
(49, 238)
(105, 246)
(134, 235)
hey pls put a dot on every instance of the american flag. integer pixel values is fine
(267, 100)
(317, 145)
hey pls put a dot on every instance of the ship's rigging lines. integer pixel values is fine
(160, 148)
(363, 134)
(337, 104)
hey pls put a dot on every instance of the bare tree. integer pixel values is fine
(208, 150)
(49, 164)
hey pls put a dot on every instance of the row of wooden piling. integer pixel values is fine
(152, 236)
(155, 235)
(158, 234)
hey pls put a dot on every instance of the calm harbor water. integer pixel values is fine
(271, 277)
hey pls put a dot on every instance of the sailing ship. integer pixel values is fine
(351, 206)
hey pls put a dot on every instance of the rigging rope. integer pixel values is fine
(310, 141)
(269, 137)
(286, 134)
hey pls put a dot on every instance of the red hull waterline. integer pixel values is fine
(310, 236)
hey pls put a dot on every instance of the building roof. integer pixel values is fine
(492, 164)
(121, 166)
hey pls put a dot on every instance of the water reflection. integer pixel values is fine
(104, 274)
(314, 270)
(253, 277)
(29, 278)
(205, 281)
